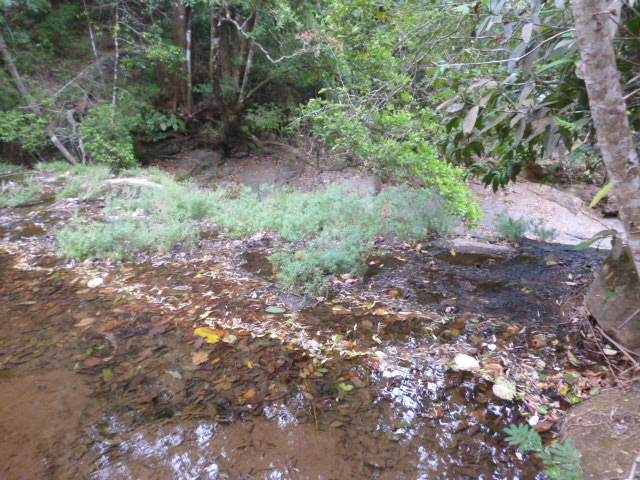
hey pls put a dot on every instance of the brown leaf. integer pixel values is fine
(358, 382)
(92, 362)
(249, 394)
(544, 426)
(85, 322)
(198, 358)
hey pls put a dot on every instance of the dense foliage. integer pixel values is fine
(423, 92)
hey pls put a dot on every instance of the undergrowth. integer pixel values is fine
(319, 234)
(14, 194)
(8, 168)
(514, 229)
(562, 460)
(122, 238)
(84, 181)
(57, 165)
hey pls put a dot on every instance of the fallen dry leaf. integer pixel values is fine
(249, 394)
(198, 358)
(92, 362)
(95, 282)
(465, 362)
(85, 322)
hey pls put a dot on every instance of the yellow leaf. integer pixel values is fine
(211, 335)
(205, 314)
(453, 253)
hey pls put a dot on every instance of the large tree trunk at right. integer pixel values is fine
(609, 113)
(614, 297)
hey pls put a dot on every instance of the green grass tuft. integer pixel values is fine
(8, 168)
(84, 181)
(14, 194)
(509, 228)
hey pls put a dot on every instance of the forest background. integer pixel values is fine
(424, 91)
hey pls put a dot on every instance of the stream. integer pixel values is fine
(103, 377)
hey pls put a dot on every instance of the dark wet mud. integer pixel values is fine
(103, 373)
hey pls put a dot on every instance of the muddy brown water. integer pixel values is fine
(111, 383)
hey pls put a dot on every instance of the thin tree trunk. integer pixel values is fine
(33, 106)
(91, 36)
(247, 69)
(182, 37)
(215, 73)
(189, 72)
(609, 113)
(116, 42)
(244, 47)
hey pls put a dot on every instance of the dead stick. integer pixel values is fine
(632, 474)
(629, 319)
(606, 358)
(628, 354)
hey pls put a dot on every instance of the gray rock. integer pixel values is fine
(614, 299)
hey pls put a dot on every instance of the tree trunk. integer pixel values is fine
(609, 113)
(33, 106)
(215, 73)
(183, 96)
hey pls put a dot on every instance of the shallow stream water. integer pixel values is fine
(108, 381)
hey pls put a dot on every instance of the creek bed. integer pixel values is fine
(106, 379)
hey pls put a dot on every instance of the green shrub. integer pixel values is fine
(510, 228)
(394, 139)
(562, 459)
(27, 129)
(267, 120)
(17, 193)
(331, 231)
(308, 269)
(140, 218)
(14, 195)
(84, 180)
(8, 168)
(58, 166)
(320, 233)
(539, 229)
(123, 237)
(107, 139)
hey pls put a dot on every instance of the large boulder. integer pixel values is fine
(614, 298)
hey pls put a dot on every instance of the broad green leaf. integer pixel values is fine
(555, 63)
(598, 236)
(601, 194)
(276, 310)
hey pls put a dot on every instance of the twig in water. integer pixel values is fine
(632, 474)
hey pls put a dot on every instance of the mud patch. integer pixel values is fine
(257, 263)
(42, 415)
(605, 430)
